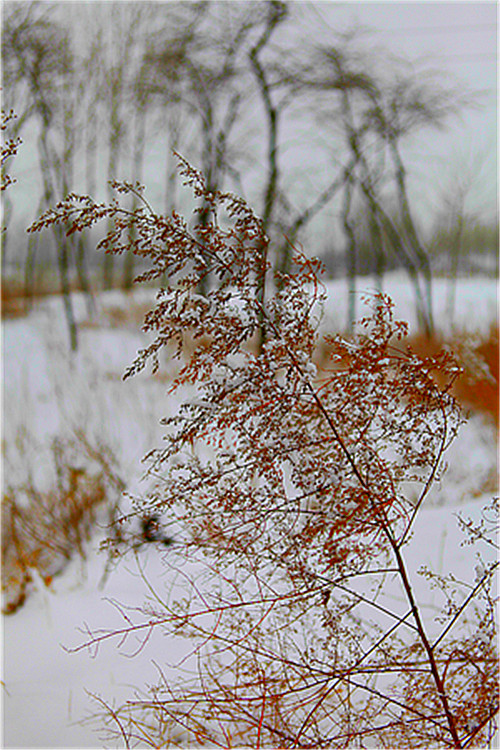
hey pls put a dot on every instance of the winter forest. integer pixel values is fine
(250, 375)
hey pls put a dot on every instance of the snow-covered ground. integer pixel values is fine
(47, 393)
(475, 308)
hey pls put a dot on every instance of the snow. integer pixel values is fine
(46, 689)
(476, 304)
(46, 693)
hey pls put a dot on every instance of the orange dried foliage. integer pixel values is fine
(13, 301)
(43, 530)
(476, 389)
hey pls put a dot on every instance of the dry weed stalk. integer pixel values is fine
(43, 530)
(292, 487)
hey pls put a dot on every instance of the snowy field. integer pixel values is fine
(47, 691)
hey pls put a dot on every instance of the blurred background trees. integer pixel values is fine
(109, 90)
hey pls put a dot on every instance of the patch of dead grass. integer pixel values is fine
(42, 530)
(477, 388)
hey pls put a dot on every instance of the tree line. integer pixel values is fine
(106, 86)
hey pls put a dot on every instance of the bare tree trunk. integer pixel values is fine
(83, 275)
(351, 251)
(213, 159)
(81, 250)
(114, 145)
(398, 242)
(423, 264)
(285, 253)
(399, 247)
(62, 257)
(29, 269)
(275, 16)
(7, 213)
(173, 126)
(207, 159)
(173, 139)
(61, 240)
(377, 237)
(64, 243)
(455, 265)
(170, 175)
(277, 12)
(139, 139)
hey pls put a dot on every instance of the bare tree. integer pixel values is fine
(454, 218)
(90, 92)
(375, 112)
(37, 58)
(340, 70)
(198, 63)
(138, 102)
(120, 28)
(164, 80)
(277, 12)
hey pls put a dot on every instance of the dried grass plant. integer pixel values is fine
(42, 530)
(297, 491)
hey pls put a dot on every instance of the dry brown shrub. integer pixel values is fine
(290, 492)
(477, 388)
(43, 529)
(13, 301)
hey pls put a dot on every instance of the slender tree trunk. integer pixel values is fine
(277, 12)
(208, 172)
(62, 257)
(29, 269)
(60, 238)
(173, 136)
(204, 284)
(351, 252)
(113, 161)
(7, 213)
(83, 275)
(377, 238)
(397, 242)
(81, 250)
(455, 265)
(139, 139)
(422, 264)
(65, 244)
